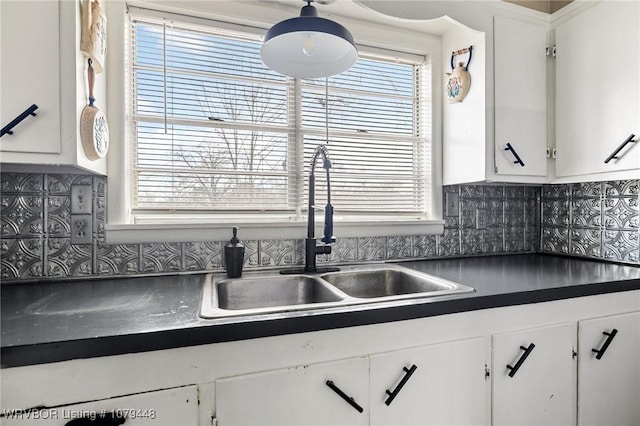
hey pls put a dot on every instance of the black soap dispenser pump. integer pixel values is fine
(234, 255)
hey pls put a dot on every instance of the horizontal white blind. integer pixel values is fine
(210, 122)
(214, 130)
(377, 156)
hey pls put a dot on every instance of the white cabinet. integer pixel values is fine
(168, 407)
(418, 386)
(520, 97)
(26, 81)
(41, 64)
(593, 96)
(542, 390)
(609, 370)
(442, 378)
(332, 393)
(474, 139)
(598, 92)
(534, 376)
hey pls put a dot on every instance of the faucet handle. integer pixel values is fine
(328, 237)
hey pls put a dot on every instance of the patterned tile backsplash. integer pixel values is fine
(594, 220)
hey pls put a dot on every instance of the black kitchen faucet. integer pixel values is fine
(311, 247)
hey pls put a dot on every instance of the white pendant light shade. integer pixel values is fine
(309, 46)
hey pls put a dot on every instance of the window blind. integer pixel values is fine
(210, 122)
(214, 130)
(377, 152)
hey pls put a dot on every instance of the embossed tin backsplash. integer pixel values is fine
(594, 219)
(35, 233)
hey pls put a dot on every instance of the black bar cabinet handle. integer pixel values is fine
(344, 396)
(515, 154)
(620, 147)
(524, 356)
(407, 374)
(29, 111)
(600, 352)
(101, 419)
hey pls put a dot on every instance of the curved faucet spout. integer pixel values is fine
(321, 150)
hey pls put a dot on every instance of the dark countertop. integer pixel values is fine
(56, 321)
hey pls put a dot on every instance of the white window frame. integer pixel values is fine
(120, 226)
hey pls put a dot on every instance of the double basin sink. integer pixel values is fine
(262, 293)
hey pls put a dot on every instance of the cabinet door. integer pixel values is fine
(160, 408)
(534, 376)
(30, 74)
(609, 380)
(447, 386)
(520, 97)
(598, 89)
(297, 396)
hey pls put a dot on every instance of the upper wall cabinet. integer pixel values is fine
(42, 65)
(598, 93)
(509, 98)
(520, 98)
(32, 79)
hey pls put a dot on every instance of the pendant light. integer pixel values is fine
(309, 46)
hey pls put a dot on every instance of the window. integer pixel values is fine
(211, 138)
(215, 133)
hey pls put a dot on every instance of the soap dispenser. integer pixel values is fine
(234, 255)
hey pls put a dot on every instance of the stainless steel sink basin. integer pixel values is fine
(262, 293)
(390, 281)
(245, 296)
(275, 291)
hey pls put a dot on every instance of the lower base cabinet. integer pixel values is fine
(297, 396)
(168, 407)
(429, 385)
(534, 376)
(609, 371)
(419, 386)
(567, 362)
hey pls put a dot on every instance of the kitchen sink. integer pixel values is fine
(268, 294)
(390, 282)
(264, 293)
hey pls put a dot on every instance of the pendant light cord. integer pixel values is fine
(326, 109)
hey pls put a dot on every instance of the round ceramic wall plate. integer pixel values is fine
(94, 133)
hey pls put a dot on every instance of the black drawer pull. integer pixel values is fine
(515, 154)
(620, 147)
(345, 396)
(605, 346)
(524, 356)
(8, 129)
(405, 379)
(101, 419)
